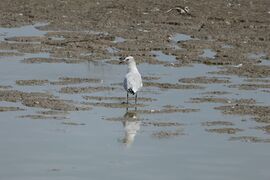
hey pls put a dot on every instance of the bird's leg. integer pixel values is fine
(127, 97)
(136, 98)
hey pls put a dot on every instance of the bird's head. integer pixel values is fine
(127, 60)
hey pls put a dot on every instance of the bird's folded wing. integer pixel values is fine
(133, 81)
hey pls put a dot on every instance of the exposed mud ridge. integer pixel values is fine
(161, 124)
(171, 86)
(224, 130)
(89, 89)
(102, 98)
(54, 60)
(114, 105)
(250, 139)
(262, 80)
(53, 104)
(167, 134)
(38, 116)
(52, 112)
(249, 70)
(162, 111)
(262, 119)
(4, 109)
(5, 87)
(121, 119)
(16, 96)
(204, 80)
(260, 113)
(31, 82)
(24, 39)
(265, 128)
(250, 86)
(150, 78)
(71, 123)
(22, 47)
(222, 100)
(216, 92)
(217, 123)
(8, 54)
(40, 100)
(72, 80)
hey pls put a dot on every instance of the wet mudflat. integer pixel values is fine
(203, 112)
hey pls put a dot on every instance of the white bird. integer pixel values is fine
(133, 80)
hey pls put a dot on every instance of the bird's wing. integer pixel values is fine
(133, 81)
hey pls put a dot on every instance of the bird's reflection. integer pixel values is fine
(131, 125)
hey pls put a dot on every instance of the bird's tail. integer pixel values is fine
(130, 91)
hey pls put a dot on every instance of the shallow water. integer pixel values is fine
(178, 38)
(38, 149)
(208, 53)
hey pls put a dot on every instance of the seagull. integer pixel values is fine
(133, 80)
